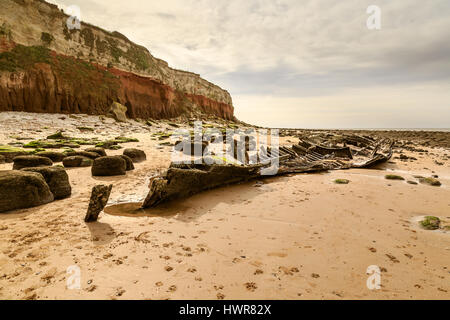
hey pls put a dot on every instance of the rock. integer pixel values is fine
(430, 181)
(135, 154)
(77, 161)
(52, 155)
(31, 161)
(20, 189)
(57, 180)
(2, 159)
(118, 112)
(10, 155)
(99, 151)
(109, 166)
(129, 162)
(86, 154)
(99, 199)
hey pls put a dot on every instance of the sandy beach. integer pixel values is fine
(292, 237)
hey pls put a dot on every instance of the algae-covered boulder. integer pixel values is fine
(129, 162)
(135, 154)
(77, 161)
(100, 151)
(109, 166)
(52, 155)
(87, 154)
(20, 189)
(57, 180)
(118, 112)
(9, 153)
(31, 161)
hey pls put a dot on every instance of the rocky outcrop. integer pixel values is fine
(44, 67)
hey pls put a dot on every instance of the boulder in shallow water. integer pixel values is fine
(20, 189)
(109, 166)
(57, 180)
(135, 154)
(99, 198)
(77, 161)
(31, 161)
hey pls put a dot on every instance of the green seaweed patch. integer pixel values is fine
(53, 144)
(342, 181)
(125, 139)
(430, 181)
(11, 149)
(431, 223)
(393, 177)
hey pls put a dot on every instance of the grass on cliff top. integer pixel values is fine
(23, 57)
(75, 72)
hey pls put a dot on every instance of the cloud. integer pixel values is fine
(291, 48)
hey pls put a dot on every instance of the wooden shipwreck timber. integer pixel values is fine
(314, 153)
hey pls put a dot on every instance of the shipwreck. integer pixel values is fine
(321, 151)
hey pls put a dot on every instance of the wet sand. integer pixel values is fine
(293, 237)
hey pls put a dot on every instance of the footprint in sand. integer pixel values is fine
(172, 288)
(251, 286)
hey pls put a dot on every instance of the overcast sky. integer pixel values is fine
(301, 63)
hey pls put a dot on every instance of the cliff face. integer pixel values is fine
(45, 67)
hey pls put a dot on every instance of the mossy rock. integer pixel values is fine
(57, 135)
(125, 139)
(430, 181)
(109, 166)
(57, 180)
(9, 153)
(393, 177)
(52, 155)
(431, 223)
(54, 144)
(19, 189)
(342, 181)
(31, 161)
(85, 129)
(77, 161)
(99, 151)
